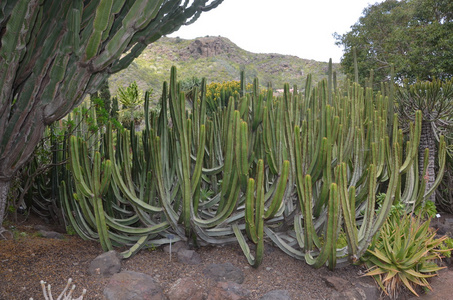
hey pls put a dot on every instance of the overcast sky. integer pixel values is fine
(303, 28)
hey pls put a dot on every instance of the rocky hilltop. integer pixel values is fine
(217, 59)
(208, 47)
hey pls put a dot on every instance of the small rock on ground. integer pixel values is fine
(227, 290)
(276, 295)
(133, 286)
(189, 257)
(175, 247)
(50, 234)
(106, 264)
(224, 272)
(185, 289)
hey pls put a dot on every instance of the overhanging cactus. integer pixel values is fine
(53, 53)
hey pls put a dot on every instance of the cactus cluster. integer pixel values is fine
(295, 170)
(65, 294)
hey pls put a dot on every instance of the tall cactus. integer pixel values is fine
(319, 159)
(53, 53)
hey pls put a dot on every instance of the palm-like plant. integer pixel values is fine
(434, 100)
(132, 101)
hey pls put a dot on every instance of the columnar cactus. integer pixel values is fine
(318, 157)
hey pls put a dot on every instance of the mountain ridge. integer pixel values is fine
(218, 60)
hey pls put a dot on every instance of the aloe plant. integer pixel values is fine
(403, 253)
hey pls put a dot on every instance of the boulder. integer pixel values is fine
(185, 289)
(227, 290)
(133, 286)
(106, 264)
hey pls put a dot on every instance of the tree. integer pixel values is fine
(416, 36)
(53, 53)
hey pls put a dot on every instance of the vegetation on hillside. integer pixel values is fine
(152, 67)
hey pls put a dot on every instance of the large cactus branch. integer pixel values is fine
(52, 53)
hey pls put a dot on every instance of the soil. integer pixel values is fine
(28, 258)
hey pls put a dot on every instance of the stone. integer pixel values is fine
(133, 286)
(337, 283)
(40, 227)
(224, 272)
(175, 247)
(370, 290)
(50, 234)
(343, 289)
(227, 290)
(358, 292)
(208, 47)
(185, 289)
(106, 264)
(276, 295)
(189, 257)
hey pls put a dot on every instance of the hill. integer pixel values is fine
(217, 59)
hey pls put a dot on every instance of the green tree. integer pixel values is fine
(53, 53)
(416, 36)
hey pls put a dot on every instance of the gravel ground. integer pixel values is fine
(29, 258)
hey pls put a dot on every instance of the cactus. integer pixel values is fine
(91, 186)
(56, 52)
(47, 292)
(318, 157)
(254, 217)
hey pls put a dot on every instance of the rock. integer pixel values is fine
(133, 286)
(370, 290)
(352, 294)
(175, 247)
(40, 227)
(276, 295)
(224, 272)
(51, 234)
(360, 291)
(208, 47)
(337, 283)
(189, 257)
(228, 291)
(185, 289)
(344, 289)
(106, 264)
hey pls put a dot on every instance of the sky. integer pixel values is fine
(303, 28)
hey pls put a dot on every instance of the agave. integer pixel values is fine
(404, 254)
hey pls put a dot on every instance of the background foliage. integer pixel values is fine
(416, 36)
